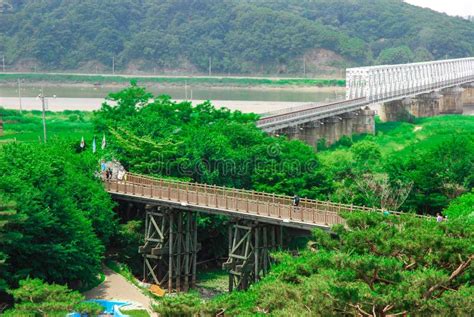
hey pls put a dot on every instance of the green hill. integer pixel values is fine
(236, 36)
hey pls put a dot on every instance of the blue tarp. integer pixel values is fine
(110, 307)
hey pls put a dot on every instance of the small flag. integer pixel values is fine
(93, 145)
(83, 144)
(103, 142)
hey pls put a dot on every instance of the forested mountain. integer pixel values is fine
(236, 36)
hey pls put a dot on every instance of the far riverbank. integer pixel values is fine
(203, 81)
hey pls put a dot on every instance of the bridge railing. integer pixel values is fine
(405, 92)
(307, 111)
(314, 212)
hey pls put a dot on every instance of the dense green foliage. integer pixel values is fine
(239, 36)
(420, 166)
(34, 298)
(378, 265)
(204, 144)
(65, 217)
(462, 206)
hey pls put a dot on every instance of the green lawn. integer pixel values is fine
(135, 313)
(28, 127)
(213, 280)
(396, 137)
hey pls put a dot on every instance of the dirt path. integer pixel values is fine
(116, 287)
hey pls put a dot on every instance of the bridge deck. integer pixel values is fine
(309, 113)
(263, 207)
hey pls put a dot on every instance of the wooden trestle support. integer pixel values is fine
(250, 244)
(170, 248)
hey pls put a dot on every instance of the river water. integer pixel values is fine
(88, 97)
(247, 99)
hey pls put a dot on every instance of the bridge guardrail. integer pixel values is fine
(418, 90)
(312, 212)
(309, 111)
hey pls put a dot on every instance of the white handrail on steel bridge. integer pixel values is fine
(389, 82)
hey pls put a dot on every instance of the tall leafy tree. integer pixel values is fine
(65, 216)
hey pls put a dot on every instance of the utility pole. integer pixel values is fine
(44, 117)
(185, 90)
(210, 66)
(113, 65)
(304, 66)
(19, 94)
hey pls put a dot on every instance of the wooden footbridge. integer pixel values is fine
(171, 245)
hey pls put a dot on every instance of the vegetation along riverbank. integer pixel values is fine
(171, 80)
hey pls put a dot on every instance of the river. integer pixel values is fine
(246, 99)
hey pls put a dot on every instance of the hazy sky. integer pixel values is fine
(451, 7)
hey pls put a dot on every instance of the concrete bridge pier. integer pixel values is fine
(426, 105)
(348, 123)
(396, 110)
(452, 100)
(332, 129)
(364, 121)
(468, 94)
(309, 132)
(423, 105)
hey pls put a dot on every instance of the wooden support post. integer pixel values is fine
(179, 243)
(187, 250)
(280, 237)
(265, 251)
(170, 259)
(195, 245)
(256, 253)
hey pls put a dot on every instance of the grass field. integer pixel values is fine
(135, 313)
(214, 81)
(401, 136)
(28, 127)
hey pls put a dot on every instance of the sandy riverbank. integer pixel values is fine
(90, 104)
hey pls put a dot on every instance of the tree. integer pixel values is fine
(7, 215)
(463, 206)
(396, 55)
(381, 192)
(64, 215)
(36, 298)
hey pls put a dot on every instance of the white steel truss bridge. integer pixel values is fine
(390, 82)
(376, 84)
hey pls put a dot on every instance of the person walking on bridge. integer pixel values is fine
(296, 202)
